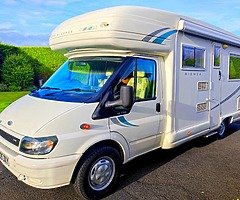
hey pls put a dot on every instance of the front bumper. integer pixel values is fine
(40, 173)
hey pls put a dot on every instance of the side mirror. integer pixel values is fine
(126, 98)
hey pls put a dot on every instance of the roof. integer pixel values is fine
(125, 27)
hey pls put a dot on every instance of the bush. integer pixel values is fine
(43, 62)
(6, 50)
(44, 73)
(3, 87)
(14, 88)
(18, 72)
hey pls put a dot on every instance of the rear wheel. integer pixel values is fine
(98, 173)
(222, 130)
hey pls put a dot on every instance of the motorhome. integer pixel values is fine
(136, 79)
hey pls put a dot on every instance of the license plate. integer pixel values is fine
(4, 158)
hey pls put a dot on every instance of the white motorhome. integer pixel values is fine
(136, 79)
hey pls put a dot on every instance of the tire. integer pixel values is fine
(98, 173)
(221, 133)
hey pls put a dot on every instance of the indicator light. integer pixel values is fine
(85, 126)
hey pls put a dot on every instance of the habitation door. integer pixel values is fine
(215, 94)
(141, 126)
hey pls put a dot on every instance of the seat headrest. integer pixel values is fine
(108, 73)
(141, 74)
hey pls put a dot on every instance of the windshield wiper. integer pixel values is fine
(50, 88)
(68, 90)
(80, 90)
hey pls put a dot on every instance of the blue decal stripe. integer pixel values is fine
(115, 121)
(215, 106)
(124, 121)
(149, 36)
(229, 97)
(161, 38)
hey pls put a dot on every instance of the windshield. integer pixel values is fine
(79, 78)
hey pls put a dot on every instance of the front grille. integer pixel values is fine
(9, 138)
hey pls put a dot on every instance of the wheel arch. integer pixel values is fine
(108, 142)
(227, 120)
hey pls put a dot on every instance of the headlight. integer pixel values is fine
(38, 146)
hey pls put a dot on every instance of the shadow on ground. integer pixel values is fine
(143, 165)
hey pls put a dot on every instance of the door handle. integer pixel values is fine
(158, 107)
(220, 75)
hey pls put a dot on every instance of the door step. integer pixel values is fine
(210, 134)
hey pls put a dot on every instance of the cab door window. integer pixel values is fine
(145, 76)
(142, 77)
(139, 73)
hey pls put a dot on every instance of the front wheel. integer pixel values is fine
(98, 173)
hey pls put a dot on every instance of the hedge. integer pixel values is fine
(43, 62)
(6, 50)
(17, 72)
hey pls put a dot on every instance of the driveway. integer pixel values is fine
(200, 169)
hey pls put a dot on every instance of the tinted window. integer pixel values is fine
(192, 57)
(146, 79)
(234, 67)
(142, 77)
(216, 56)
(79, 79)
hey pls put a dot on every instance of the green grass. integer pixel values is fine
(6, 98)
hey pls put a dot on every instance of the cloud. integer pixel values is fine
(18, 39)
(227, 2)
(56, 3)
(6, 26)
(233, 27)
(47, 2)
(225, 20)
(10, 2)
(50, 25)
(35, 13)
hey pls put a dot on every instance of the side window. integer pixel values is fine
(142, 77)
(216, 56)
(234, 67)
(145, 79)
(192, 57)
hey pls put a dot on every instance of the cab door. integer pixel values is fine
(142, 125)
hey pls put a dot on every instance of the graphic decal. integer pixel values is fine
(151, 35)
(163, 37)
(229, 97)
(115, 121)
(122, 121)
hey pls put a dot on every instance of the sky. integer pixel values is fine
(30, 22)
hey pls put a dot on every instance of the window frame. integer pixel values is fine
(233, 54)
(193, 68)
(155, 81)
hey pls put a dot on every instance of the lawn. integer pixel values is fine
(6, 98)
